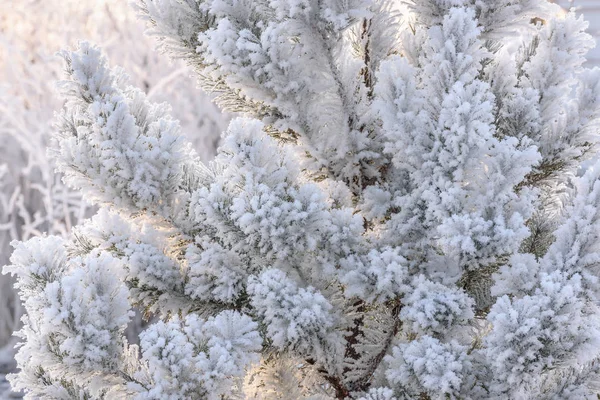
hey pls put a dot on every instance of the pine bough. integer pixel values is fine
(398, 215)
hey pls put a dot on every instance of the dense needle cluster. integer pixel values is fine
(398, 214)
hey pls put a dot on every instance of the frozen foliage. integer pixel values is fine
(440, 369)
(298, 318)
(398, 215)
(78, 314)
(132, 170)
(591, 12)
(433, 307)
(194, 358)
(33, 199)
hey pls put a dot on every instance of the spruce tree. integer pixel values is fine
(399, 213)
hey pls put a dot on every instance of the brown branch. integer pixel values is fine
(543, 172)
(355, 332)
(364, 383)
(366, 70)
(341, 392)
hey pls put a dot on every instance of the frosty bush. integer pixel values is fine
(398, 215)
(33, 200)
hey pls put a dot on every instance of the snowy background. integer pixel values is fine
(32, 198)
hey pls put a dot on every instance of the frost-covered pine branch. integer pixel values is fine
(33, 199)
(398, 215)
